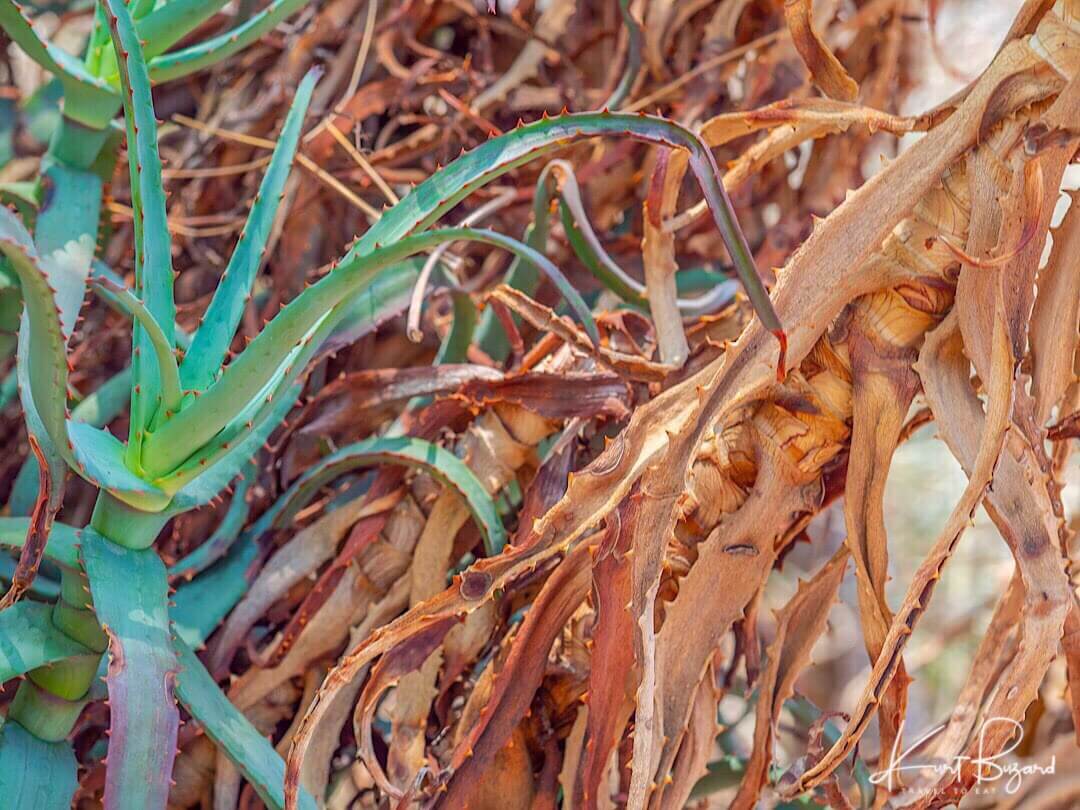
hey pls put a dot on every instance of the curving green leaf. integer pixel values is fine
(217, 545)
(248, 378)
(201, 604)
(42, 335)
(455, 347)
(387, 295)
(99, 268)
(233, 733)
(433, 459)
(87, 98)
(99, 457)
(588, 248)
(159, 29)
(491, 337)
(153, 244)
(129, 590)
(443, 190)
(97, 409)
(28, 640)
(34, 774)
(209, 52)
(260, 417)
(210, 343)
(167, 371)
(62, 547)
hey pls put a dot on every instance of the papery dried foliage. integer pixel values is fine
(653, 482)
(715, 475)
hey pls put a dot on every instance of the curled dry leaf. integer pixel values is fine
(828, 74)
(654, 470)
(882, 263)
(799, 625)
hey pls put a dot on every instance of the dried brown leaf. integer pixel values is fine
(828, 74)
(799, 625)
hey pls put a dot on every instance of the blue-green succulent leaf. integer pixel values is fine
(211, 51)
(99, 457)
(233, 733)
(97, 409)
(34, 774)
(28, 640)
(153, 244)
(387, 295)
(412, 452)
(130, 594)
(445, 189)
(210, 343)
(455, 347)
(167, 371)
(49, 313)
(295, 328)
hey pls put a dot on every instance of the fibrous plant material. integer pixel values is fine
(514, 551)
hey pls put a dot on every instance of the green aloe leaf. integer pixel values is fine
(28, 640)
(99, 457)
(34, 774)
(97, 409)
(252, 753)
(217, 545)
(159, 29)
(71, 206)
(130, 594)
(455, 347)
(251, 375)
(200, 605)
(490, 336)
(153, 244)
(387, 295)
(62, 547)
(209, 52)
(210, 343)
(588, 248)
(443, 190)
(87, 98)
(99, 268)
(47, 320)
(210, 468)
(417, 453)
(170, 22)
(167, 371)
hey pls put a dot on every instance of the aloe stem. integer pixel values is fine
(37, 707)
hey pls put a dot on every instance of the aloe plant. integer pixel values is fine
(64, 203)
(198, 418)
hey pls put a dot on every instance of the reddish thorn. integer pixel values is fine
(781, 363)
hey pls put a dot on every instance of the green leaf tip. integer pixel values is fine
(210, 343)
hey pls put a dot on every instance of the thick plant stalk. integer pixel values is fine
(51, 716)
